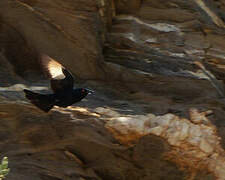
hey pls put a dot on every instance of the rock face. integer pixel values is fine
(158, 72)
(60, 29)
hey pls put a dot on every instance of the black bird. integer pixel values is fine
(61, 84)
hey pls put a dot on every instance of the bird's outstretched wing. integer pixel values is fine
(61, 79)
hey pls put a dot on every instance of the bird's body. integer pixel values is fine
(62, 85)
(67, 98)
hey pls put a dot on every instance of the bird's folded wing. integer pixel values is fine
(61, 79)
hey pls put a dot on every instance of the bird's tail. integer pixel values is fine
(43, 102)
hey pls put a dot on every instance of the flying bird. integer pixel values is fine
(61, 84)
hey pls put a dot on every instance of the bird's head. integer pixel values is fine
(86, 91)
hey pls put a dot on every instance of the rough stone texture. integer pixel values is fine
(73, 144)
(157, 112)
(60, 29)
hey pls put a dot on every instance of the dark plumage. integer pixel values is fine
(61, 84)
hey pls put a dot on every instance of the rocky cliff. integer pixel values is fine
(157, 68)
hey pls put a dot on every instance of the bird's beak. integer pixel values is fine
(90, 91)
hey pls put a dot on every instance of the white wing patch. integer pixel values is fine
(53, 68)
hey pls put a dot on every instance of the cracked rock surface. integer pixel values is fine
(157, 69)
